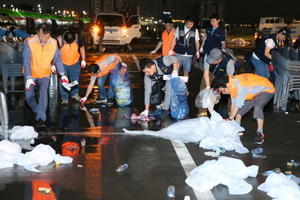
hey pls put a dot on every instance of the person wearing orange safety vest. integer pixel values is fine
(69, 44)
(39, 51)
(246, 91)
(101, 70)
(166, 38)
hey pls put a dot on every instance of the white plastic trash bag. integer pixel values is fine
(10, 151)
(23, 133)
(41, 155)
(280, 187)
(207, 98)
(222, 171)
(63, 159)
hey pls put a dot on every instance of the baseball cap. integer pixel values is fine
(283, 32)
(214, 55)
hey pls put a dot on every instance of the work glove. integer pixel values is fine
(64, 79)
(271, 67)
(53, 69)
(197, 55)
(174, 73)
(228, 119)
(201, 49)
(152, 52)
(83, 64)
(208, 88)
(170, 53)
(145, 113)
(82, 107)
(123, 65)
(82, 141)
(28, 83)
(82, 100)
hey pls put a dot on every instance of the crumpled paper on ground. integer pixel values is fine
(41, 155)
(227, 171)
(212, 131)
(280, 187)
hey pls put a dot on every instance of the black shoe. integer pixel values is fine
(259, 138)
(40, 124)
(110, 101)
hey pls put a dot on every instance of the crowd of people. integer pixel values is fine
(66, 55)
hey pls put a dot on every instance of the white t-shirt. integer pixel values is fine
(176, 34)
(270, 43)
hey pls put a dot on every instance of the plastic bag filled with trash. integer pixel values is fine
(226, 171)
(278, 186)
(179, 107)
(207, 98)
(209, 132)
(41, 155)
(121, 85)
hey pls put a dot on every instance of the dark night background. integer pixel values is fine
(236, 11)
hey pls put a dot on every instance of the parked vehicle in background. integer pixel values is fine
(269, 25)
(118, 32)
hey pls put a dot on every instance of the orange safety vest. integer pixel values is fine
(258, 83)
(69, 52)
(104, 66)
(167, 40)
(41, 56)
(41, 195)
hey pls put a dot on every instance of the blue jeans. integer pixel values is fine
(39, 107)
(73, 73)
(261, 67)
(184, 61)
(101, 84)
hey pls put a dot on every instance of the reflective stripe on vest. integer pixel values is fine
(256, 84)
(104, 66)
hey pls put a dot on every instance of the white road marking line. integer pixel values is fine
(136, 62)
(188, 165)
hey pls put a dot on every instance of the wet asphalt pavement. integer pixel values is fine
(153, 162)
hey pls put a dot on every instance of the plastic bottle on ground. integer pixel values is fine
(267, 173)
(171, 191)
(257, 151)
(218, 149)
(122, 168)
(293, 178)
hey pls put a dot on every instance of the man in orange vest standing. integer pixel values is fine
(166, 38)
(101, 71)
(246, 91)
(69, 44)
(39, 51)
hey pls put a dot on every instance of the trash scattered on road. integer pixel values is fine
(44, 190)
(95, 111)
(267, 173)
(256, 151)
(212, 154)
(171, 191)
(79, 165)
(293, 163)
(122, 168)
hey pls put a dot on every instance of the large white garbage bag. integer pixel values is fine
(222, 171)
(10, 151)
(212, 131)
(41, 155)
(280, 187)
(23, 133)
(191, 130)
